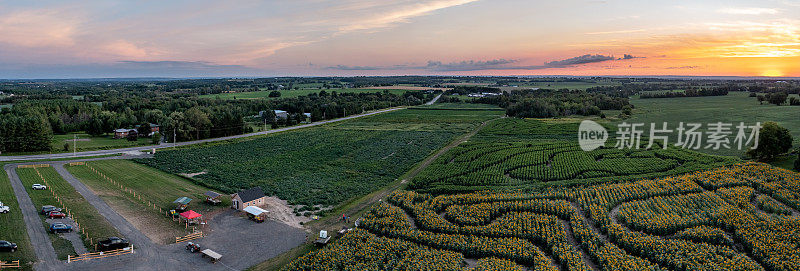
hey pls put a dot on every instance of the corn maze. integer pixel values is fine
(738, 217)
(483, 164)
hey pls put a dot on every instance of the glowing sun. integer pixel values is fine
(772, 73)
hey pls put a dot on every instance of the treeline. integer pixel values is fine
(692, 92)
(776, 98)
(181, 116)
(464, 90)
(554, 103)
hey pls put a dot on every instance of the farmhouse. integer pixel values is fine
(122, 133)
(251, 197)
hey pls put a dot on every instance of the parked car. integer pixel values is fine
(56, 214)
(112, 243)
(49, 208)
(60, 227)
(37, 186)
(4, 209)
(7, 246)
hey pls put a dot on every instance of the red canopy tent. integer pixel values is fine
(189, 215)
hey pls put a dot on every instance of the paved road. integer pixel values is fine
(36, 232)
(161, 146)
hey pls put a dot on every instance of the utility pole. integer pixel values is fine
(265, 124)
(174, 136)
(74, 145)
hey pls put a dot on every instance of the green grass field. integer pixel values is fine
(89, 143)
(293, 93)
(12, 227)
(85, 214)
(734, 108)
(325, 165)
(151, 185)
(467, 106)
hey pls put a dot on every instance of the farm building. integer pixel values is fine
(251, 197)
(213, 197)
(280, 114)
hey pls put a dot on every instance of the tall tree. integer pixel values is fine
(773, 140)
(198, 121)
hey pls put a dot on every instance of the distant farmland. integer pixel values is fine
(295, 93)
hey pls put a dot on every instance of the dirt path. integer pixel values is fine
(571, 239)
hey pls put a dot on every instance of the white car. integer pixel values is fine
(37, 186)
(4, 209)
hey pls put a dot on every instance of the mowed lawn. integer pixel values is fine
(12, 227)
(286, 93)
(152, 185)
(88, 143)
(94, 224)
(734, 108)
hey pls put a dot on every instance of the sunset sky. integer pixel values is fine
(86, 39)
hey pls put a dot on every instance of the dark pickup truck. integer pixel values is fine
(112, 243)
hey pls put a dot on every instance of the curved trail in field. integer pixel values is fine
(737, 246)
(411, 221)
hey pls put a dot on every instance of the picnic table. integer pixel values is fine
(211, 254)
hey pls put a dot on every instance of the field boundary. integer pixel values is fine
(100, 255)
(189, 237)
(11, 264)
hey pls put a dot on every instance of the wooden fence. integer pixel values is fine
(189, 237)
(77, 163)
(137, 196)
(64, 208)
(11, 264)
(100, 255)
(33, 166)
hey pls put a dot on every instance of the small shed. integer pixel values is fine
(213, 197)
(256, 213)
(250, 197)
(182, 203)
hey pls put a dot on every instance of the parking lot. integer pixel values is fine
(241, 242)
